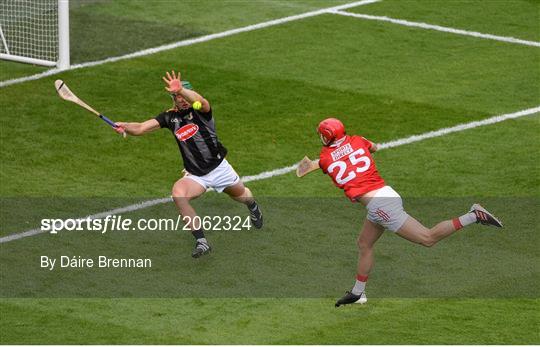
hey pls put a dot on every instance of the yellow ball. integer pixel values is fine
(197, 105)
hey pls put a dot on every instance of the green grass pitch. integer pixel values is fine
(269, 88)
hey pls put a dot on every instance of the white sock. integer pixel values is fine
(203, 240)
(467, 219)
(358, 288)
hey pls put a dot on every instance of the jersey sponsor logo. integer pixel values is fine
(341, 152)
(186, 132)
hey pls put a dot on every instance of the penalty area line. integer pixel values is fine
(288, 169)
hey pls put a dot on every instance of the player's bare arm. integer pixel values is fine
(174, 87)
(136, 128)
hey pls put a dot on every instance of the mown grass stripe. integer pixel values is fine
(288, 169)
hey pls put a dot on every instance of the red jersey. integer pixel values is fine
(351, 166)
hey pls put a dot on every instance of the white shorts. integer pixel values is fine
(386, 209)
(218, 179)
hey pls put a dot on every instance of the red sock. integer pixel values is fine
(457, 223)
(361, 278)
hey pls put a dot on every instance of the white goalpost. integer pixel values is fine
(35, 32)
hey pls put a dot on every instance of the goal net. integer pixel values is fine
(35, 31)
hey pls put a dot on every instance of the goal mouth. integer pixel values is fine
(35, 32)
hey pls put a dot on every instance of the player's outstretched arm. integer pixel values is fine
(306, 166)
(174, 86)
(137, 129)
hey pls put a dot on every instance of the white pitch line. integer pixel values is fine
(285, 170)
(438, 28)
(125, 209)
(269, 174)
(460, 127)
(189, 42)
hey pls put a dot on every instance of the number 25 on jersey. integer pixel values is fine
(360, 163)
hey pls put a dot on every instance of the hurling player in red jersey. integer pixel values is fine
(348, 161)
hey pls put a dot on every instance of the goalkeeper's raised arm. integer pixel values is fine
(182, 93)
(183, 97)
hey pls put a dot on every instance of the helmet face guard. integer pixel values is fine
(187, 85)
(330, 130)
(324, 140)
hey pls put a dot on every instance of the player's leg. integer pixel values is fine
(225, 179)
(239, 192)
(414, 231)
(370, 233)
(183, 191)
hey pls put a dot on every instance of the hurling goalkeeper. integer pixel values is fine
(348, 161)
(192, 124)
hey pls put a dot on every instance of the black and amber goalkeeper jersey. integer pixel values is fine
(195, 134)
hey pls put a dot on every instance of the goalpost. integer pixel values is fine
(35, 32)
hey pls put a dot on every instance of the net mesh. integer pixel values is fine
(30, 28)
